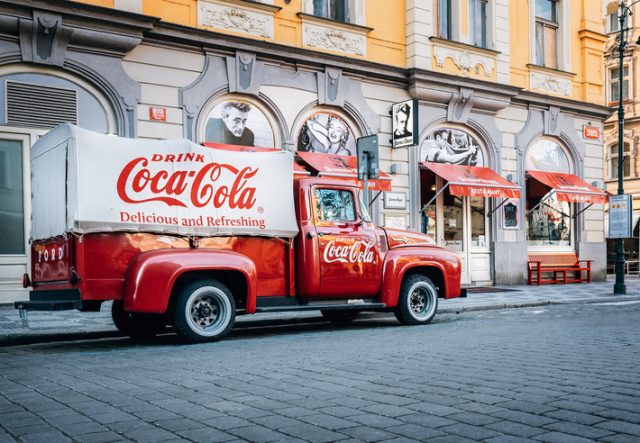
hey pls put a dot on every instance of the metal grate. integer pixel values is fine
(39, 106)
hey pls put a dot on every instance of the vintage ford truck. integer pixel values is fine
(189, 235)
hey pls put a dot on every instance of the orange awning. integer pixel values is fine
(474, 181)
(297, 169)
(570, 188)
(343, 167)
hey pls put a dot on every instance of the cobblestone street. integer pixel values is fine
(565, 373)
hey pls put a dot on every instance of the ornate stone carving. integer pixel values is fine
(235, 19)
(334, 39)
(550, 83)
(466, 61)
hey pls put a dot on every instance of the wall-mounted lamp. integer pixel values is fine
(433, 187)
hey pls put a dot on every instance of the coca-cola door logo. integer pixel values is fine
(348, 251)
(214, 184)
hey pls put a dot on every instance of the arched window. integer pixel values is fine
(549, 220)
(547, 155)
(234, 120)
(43, 101)
(451, 145)
(327, 132)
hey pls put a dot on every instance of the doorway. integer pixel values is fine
(460, 224)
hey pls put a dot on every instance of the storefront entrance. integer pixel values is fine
(455, 212)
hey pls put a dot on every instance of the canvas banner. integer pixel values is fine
(175, 186)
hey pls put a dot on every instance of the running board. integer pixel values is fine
(324, 307)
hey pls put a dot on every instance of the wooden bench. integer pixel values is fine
(558, 267)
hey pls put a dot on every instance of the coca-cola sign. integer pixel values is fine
(206, 186)
(160, 186)
(357, 252)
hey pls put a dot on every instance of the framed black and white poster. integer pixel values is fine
(510, 214)
(395, 200)
(404, 123)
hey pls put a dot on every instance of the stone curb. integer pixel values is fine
(47, 337)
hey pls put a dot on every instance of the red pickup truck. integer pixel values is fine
(181, 234)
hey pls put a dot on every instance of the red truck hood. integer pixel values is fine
(398, 238)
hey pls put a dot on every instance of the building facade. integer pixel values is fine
(314, 75)
(631, 147)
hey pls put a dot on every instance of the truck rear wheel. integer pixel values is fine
(135, 324)
(418, 300)
(204, 311)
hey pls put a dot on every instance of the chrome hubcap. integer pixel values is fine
(422, 301)
(417, 301)
(208, 311)
(204, 311)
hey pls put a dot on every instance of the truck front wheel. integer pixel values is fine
(135, 324)
(418, 300)
(204, 311)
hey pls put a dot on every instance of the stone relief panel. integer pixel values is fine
(233, 18)
(550, 84)
(333, 39)
(467, 62)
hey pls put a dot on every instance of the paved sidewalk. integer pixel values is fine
(75, 325)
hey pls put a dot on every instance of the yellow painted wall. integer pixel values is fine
(385, 43)
(103, 3)
(586, 44)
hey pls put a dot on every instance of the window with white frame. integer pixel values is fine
(614, 161)
(614, 84)
(478, 22)
(345, 11)
(445, 19)
(613, 22)
(546, 33)
(332, 9)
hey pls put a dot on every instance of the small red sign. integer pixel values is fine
(591, 132)
(159, 114)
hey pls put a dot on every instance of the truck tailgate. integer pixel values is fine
(52, 259)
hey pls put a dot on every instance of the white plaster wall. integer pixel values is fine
(510, 121)
(289, 101)
(161, 73)
(593, 172)
(380, 98)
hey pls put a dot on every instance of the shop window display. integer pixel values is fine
(549, 221)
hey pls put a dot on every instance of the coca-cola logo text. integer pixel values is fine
(358, 251)
(215, 184)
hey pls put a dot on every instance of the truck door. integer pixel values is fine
(350, 261)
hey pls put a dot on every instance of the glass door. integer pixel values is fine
(14, 212)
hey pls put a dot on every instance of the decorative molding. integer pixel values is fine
(235, 19)
(460, 106)
(330, 87)
(333, 39)
(467, 61)
(550, 83)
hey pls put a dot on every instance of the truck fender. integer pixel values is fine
(400, 261)
(151, 276)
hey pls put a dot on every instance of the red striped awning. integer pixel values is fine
(569, 187)
(474, 181)
(344, 167)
